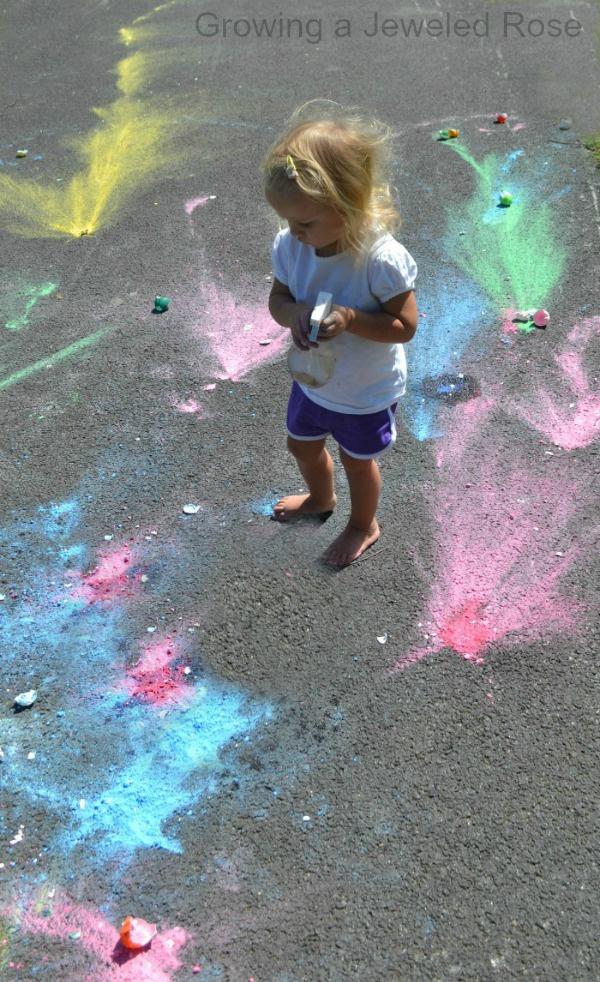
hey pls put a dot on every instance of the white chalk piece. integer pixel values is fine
(320, 311)
(191, 509)
(26, 699)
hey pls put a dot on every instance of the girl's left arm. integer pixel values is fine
(396, 323)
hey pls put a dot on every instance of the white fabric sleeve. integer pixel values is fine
(279, 256)
(392, 270)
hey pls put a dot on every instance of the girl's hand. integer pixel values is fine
(337, 320)
(300, 327)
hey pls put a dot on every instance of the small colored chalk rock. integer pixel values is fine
(161, 304)
(26, 699)
(453, 134)
(22, 153)
(501, 117)
(541, 318)
(505, 199)
(565, 124)
(191, 509)
(523, 316)
(443, 135)
(136, 933)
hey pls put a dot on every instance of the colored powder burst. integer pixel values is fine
(506, 250)
(191, 408)
(99, 943)
(25, 299)
(155, 780)
(455, 324)
(571, 418)
(120, 157)
(114, 578)
(68, 352)
(511, 326)
(77, 635)
(130, 148)
(498, 570)
(236, 351)
(264, 506)
(156, 678)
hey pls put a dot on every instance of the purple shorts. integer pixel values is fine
(363, 436)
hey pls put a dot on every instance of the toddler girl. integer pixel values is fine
(325, 177)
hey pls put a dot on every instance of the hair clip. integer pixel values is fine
(290, 170)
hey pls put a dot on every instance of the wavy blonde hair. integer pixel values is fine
(341, 158)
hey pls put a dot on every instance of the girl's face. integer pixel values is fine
(311, 222)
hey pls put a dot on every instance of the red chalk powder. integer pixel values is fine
(467, 632)
(155, 679)
(499, 559)
(113, 579)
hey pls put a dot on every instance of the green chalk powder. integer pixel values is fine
(26, 297)
(68, 352)
(508, 251)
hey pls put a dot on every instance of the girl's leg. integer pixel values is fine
(316, 467)
(362, 530)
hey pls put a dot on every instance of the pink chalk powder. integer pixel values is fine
(101, 940)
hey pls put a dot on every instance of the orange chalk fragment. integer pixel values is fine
(136, 933)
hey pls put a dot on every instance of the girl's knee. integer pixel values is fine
(305, 449)
(356, 464)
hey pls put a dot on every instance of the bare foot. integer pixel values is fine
(296, 506)
(350, 545)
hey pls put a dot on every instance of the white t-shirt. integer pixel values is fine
(368, 375)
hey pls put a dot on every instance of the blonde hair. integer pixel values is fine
(341, 158)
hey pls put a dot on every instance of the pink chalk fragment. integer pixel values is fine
(190, 206)
(541, 318)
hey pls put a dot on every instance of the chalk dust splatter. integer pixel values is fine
(566, 408)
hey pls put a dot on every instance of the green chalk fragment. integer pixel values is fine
(75, 935)
(161, 304)
(444, 135)
(22, 153)
(505, 198)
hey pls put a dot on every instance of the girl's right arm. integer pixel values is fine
(284, 309)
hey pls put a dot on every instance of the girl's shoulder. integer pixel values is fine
(384, 245)
(391, 268)
(282, 239)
